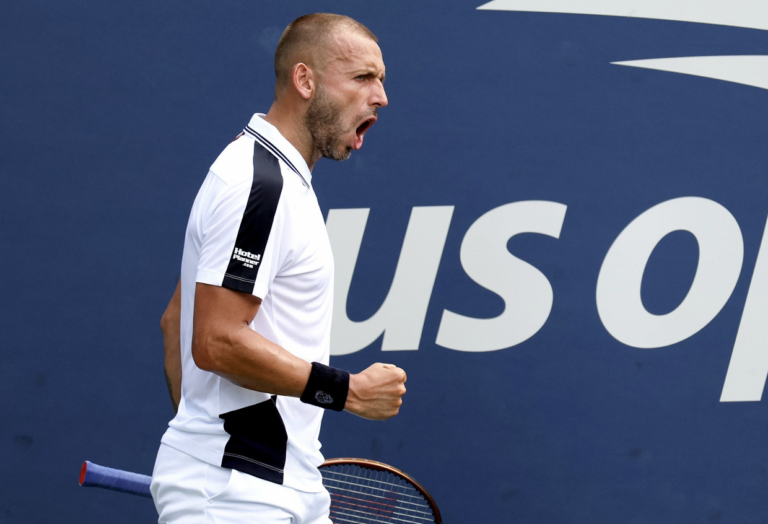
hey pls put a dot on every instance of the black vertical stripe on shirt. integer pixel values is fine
(258, 217)
(269, 145)
(258, 442)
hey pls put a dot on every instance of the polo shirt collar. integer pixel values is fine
(269, 136)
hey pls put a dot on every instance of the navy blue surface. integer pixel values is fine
(112, 112)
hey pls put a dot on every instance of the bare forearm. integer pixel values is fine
(171, 327)
(173, 380)
(223, 343)
(253, 362)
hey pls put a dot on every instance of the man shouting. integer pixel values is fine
(248, 327)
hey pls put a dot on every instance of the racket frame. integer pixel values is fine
(380, 466)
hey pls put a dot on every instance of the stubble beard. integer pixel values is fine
(323, 121)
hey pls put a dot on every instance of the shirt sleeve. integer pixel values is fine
(241, 242)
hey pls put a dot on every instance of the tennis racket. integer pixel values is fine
(369, 492)
(362, 491)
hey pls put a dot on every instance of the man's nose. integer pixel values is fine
(379, 96)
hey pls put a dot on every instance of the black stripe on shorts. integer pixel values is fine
(258, 217)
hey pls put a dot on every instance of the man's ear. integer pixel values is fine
(303, 80)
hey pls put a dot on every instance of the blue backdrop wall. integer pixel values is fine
(605, 220)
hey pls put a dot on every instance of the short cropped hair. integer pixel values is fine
(311, 31)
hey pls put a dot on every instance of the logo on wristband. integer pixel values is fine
(323, 398)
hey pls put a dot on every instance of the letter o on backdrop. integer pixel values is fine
(721, 253)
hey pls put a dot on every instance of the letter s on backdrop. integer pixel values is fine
(526, 292)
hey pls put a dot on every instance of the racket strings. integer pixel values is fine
(384, 500)
(347, 518)
(365, 496)
(359, 499)
(368, 518)
(401, 489)
(357, 478)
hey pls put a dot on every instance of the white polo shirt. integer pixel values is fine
(256, 227)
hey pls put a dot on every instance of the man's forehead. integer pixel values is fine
(349, 49)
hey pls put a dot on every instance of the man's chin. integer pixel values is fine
(340, 155)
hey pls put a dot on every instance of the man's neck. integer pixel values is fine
(291, 126)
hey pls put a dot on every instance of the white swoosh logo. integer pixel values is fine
(752, 14)
(747, 70)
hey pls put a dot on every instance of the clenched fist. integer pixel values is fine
(376, 393)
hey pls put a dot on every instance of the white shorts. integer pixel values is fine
(189, 491)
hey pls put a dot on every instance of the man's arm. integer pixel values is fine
(223, 343)
(170, 324)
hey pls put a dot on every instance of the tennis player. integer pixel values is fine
(248, 327)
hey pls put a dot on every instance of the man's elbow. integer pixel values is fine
(206, 352)
(169, 321)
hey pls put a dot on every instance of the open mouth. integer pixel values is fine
(361, 129)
